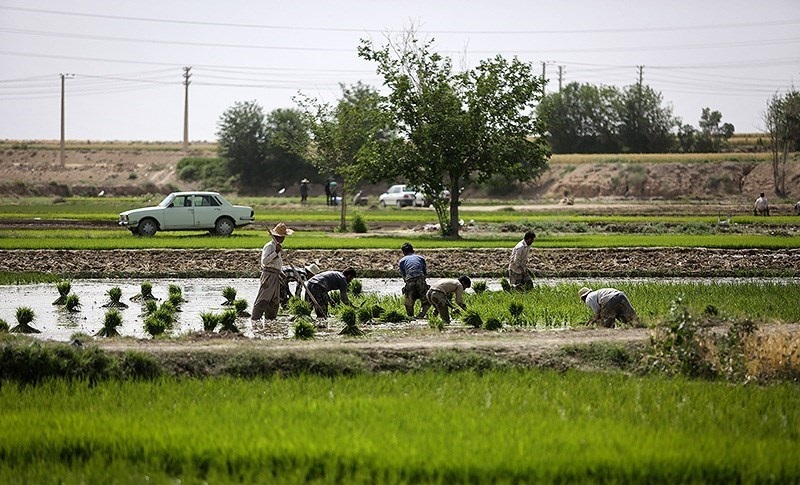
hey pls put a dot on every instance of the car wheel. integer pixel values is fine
(147, 228)
(224, 226)
(383, 204)
(399, 204)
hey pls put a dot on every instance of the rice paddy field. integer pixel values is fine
(718, 409)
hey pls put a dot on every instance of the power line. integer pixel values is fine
(703, 27)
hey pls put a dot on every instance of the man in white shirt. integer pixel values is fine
(608, 305)
(762, 206)
(268, 300)
(518, 274)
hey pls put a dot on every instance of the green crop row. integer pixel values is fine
(463, 427)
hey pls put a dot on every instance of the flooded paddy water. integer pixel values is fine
(205, 295)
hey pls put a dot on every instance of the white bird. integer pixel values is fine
(102, 193)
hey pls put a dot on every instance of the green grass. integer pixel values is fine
(495, 427)
(252, 238)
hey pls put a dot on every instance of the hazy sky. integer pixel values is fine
(124, 60)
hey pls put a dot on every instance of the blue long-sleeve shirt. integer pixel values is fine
(412, 266)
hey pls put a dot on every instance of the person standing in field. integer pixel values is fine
(440, 292)
(320, 284)
(299, 276)
(268, 300)
(334, 185)
(304, 191)
(762, 206)
(518, 274)
(328, 192)
(414, 270)
(608, 305)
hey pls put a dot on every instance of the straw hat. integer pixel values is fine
(281, 230)
(312, 268)
(304, 181)
(583, 292)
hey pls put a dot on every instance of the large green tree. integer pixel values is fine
(452, 128)
(340, 134)
(255, 146)
(646, 124)
(582, 118)
(782, 120)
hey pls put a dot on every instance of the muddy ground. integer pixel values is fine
(614, 262)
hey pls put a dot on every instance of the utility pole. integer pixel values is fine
(641, 76)
(186, 82)
(560, 77)
(62, 155)
(544, 76)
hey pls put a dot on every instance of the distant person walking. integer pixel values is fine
(518, 274)
(268, 300)
(762, 206)
(333, 187)
(304, 191)
(328, 192)
(608, 305)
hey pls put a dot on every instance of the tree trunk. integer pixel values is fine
(454, 203)
(343, 221)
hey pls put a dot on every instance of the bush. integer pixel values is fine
(358, 225)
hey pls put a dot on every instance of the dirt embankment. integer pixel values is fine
(615, 262)
(134, 171)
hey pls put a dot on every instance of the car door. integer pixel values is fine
(207, 210)
(179, 214)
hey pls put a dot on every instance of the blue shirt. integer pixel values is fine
(412, 266)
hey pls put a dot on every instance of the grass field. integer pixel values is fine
(463, 427)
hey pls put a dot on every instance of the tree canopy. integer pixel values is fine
(452, 128)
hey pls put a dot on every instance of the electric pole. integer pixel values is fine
(62, 156)
(544, 76)
(560, 77)
(186, 82)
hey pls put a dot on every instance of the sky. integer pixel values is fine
(123, 62)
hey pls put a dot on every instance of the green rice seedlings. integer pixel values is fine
(393, 316)
(304, 329)
(348, 317)
(24, 318)
(3, 326)
(335, 297)
(146, 293)
(150, 306)
(472, 319)
(175, 290)
(175, 299)
(479, 287)
(210, 321)
(356, 287)
(377, 310)
(240, 306)
(154, 326)
(229, 293)
(364, 315)
(227, 321)
(299, 307)
(63, 287)
(504, 283)
(111, 321)
(435, 322)
(72, 303)
(114, 296)
(492, 323)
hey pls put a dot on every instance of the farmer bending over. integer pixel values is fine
(441, 291)
(608, 305)
(319, 285)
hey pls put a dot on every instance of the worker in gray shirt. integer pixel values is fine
(319, 285)
(608, 305)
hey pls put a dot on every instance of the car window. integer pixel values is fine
(213, 201)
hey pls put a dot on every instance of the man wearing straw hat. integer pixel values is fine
(268, 300)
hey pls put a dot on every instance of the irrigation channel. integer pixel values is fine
(205, 295)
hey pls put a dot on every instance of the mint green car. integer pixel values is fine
(184, 211)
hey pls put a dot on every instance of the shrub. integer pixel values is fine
(229, 293)
(473, 319)
(111, 321)
(210, 321)
(228, 321)
(299, 307)
(492, 323)
(358, 225)
(63, 287)
(24, 318)
(72, 303)
(304, 329)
